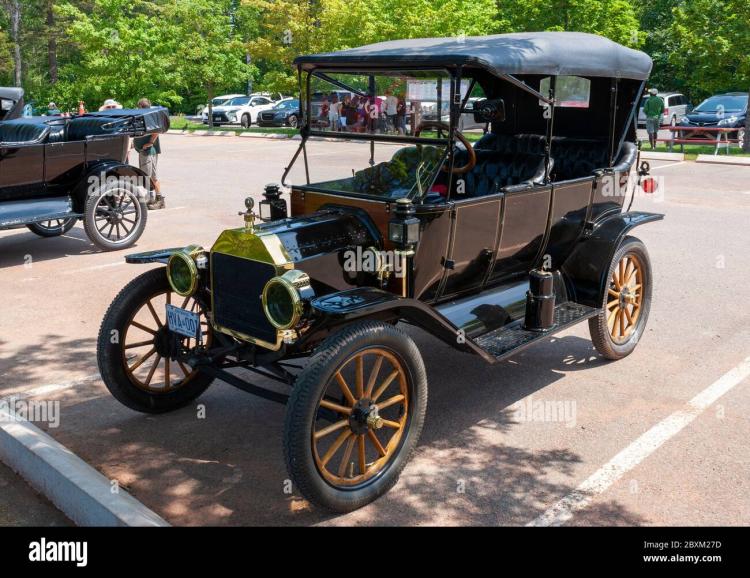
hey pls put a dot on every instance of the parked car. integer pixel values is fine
(490, 247)
(241, 110)
(55, 171)
(676, 105)
(217, 101)
(284, 113)
(719, 111)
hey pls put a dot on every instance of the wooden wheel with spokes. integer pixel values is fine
(370, 415)
(136, 350)
(355, 415)
(146, 344)
(625, 294)
(627, 300)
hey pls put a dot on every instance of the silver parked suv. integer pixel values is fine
(675, 106)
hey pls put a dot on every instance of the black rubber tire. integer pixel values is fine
(89, 220)
(44, 231)
(308, 389)
(246, 120)
(292, 121)
(109, 355)
(600, 335)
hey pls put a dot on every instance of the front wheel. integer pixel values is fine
(619, 326)
(53, 228)
(246, 121)
(115, 216)
(136, 350)
(292, 120)
(355, 416)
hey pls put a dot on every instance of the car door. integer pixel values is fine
(21, 171)
(473, 239)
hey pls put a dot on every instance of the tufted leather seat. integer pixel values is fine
(576, 158)
(21, 130)
(497, 170)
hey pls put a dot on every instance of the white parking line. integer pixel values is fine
(668, 166)
(95, 267)
(640, 449)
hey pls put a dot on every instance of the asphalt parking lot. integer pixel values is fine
(480, 461)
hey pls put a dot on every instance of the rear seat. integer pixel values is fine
(496, 170)
(573, 158)
(21, 131)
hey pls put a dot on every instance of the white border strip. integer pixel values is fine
(77, 489)
(640, 449)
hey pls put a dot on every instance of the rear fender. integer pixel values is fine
(97, 175)
(587, 267)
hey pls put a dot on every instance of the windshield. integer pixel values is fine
(734, 103)
(397, 170)
(390, 102)
(287, 104)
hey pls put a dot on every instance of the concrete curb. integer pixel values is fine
(725, 160)
(657, 156)
(77, 489)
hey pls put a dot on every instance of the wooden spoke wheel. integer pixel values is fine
(355, 416)
(147, 344)
(626, 303)
(369, 400)
(625, 294)
(136, 351)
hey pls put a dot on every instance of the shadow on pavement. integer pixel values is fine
(227, 468)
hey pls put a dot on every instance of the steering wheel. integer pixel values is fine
(427, 124)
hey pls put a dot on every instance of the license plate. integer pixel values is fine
(183, 322)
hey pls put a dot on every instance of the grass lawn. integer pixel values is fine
(692, 151)
(181, 123)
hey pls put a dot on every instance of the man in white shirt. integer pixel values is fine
(391, 109)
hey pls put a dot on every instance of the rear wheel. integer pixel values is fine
(53, 228)
(355, 416)
(616, 331)
(741, 137)
(135, 347)
(115, 216)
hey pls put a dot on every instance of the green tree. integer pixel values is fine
(615, 19)
(709, 45)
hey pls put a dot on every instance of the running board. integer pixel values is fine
(503, 342)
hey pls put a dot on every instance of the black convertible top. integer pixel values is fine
(554, 53)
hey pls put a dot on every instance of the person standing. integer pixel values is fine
(334, 113)
(653, 108)
(149, 149)
(391, 110)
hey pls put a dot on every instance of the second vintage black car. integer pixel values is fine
(489, 246)
(57, 170)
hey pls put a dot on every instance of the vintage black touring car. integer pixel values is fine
(56, 170)
(490, 246)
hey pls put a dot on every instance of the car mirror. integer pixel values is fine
(489, 110)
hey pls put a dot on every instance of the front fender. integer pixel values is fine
(587, 267)
(370, 303)
(157, 256)
(100, 171)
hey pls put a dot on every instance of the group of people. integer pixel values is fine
(369, 114)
